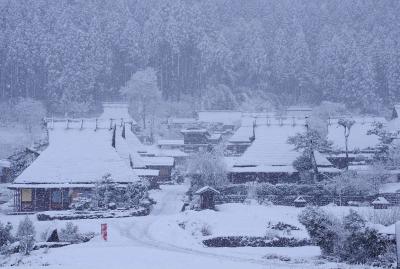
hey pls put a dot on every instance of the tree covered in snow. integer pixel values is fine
(72, 54)
(104, 192)
(30, 113)
(6, 238)
(142, 90)
(207, 168)
(307, 143)
(135, 193)
(108, 194)
(351, 183)
(26, 235)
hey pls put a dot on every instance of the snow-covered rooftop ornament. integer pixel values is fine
(207, 189)
(380, 201)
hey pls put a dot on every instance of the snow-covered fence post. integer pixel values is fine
(104, 231)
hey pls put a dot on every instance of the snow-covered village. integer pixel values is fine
(200, 134)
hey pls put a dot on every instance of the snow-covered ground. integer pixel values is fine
(158, 241)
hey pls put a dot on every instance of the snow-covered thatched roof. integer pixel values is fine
(242, 135)
(170, 142)
(270, 151)
(77, 155)
(270, 147)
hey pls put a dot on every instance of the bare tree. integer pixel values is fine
(346, 124)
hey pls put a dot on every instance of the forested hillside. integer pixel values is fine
(71, 54)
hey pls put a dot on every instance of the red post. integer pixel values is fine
(104, 231)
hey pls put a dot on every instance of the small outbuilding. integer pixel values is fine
(300, 202)
(206, 196)
(380, 203)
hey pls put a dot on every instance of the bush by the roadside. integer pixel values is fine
(348, 240)
(254, 241)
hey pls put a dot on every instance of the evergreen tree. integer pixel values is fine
(26, 235)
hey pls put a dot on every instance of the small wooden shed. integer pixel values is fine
(380, 203)
(207, 197)
(300, 202)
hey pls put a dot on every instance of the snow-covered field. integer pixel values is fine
(158, 241)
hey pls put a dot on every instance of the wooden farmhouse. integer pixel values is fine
(268, 157)
(79, 154)
(196, 139)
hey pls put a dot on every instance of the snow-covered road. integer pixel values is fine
(155, 241)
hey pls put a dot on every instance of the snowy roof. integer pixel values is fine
(171, 153)
(300, 199)
(380, 201)
(299, 108)
(393, 187)
(242, 135)
(270, 147)
(206, 189)
(182, 120)
(5, 163)
(215, 136)
(194, 130)
(170, 142)
(116, 111)
(358, 139)
(227, 117)
(146, 172)
(77, 156)
(328, 170)
(263, 169)
(51, 185)
(158, 161)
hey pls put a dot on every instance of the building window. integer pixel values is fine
(56, 196)
(26, 195)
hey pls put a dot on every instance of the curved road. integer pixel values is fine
(170, 202)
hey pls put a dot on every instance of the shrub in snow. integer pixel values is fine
(206, 230)
(276, 257)
(353, 222)
(136, 194)
(350, 240)
(70, 233)
(5, 237)
(177, 176)
(281, 226)
(364, 246)
(109, 195)
(81, 203)
(26, 235)
(321, 228)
